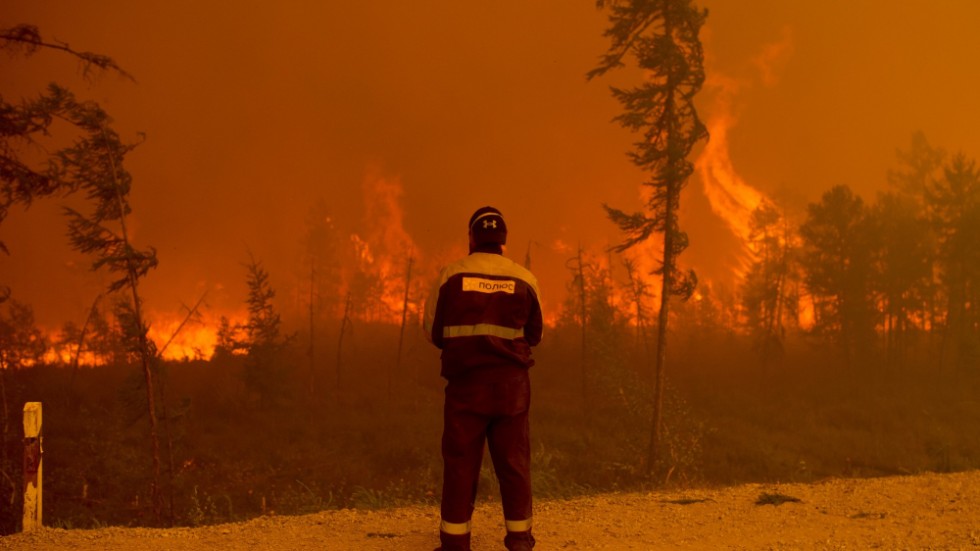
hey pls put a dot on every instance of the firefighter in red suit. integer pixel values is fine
(485, 316)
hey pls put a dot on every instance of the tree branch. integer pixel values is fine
(27, 39)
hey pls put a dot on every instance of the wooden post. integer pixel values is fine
(32, 466)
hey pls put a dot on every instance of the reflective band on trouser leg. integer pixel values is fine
(455, 528)
(518, 525)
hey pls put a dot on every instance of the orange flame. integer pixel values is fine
(731, 197)
(387, 249)
(196, 340)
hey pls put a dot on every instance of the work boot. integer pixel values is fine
(519, 541)
(452, 542)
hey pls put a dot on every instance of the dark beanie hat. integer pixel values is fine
(487, 226)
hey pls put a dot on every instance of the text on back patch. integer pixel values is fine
(481, 285)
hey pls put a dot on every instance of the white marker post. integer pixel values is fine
(32, 466)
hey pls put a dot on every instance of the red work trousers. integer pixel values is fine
(495, 410)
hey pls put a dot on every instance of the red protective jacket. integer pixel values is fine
(484, 312)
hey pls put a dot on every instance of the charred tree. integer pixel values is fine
(663, 38)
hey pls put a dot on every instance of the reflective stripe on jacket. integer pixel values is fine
(483, 311)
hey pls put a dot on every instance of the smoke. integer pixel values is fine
(252, 116)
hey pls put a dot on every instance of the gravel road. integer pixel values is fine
(929, 511)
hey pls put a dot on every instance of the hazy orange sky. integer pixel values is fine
(252, 114)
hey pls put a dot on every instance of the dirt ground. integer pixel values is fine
(922, 512)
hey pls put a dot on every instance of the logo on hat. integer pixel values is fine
(487, 225)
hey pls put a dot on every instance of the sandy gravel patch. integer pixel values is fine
(918, 512)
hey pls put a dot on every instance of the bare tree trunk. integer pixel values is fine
(584, 318)
(401, 332)
(656, 432)
(170, 451)
(5, 422)
(6, 462)
(637, 295)
(150, 401)
(191, 312)
(311, 351)
(344, 324)
(70, 398)
(667, 283)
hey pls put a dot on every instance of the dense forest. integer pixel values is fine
(849, 349)
(847, 343)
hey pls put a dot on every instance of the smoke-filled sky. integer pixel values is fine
(254, 113)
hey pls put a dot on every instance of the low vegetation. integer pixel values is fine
(236, 454)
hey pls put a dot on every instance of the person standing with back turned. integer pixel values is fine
(485, 315)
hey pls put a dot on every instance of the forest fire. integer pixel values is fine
(371, 271)
(731, 198)
(381, 280)
(193, 338)
(308, 186)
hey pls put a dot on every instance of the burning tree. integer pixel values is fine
(662, 36)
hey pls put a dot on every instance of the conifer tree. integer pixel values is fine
(95, 163)
(954, 212)
(22, 182)
(92, 164)
(663, 38)
(767, 298)
(903, 266)
(838, 244)
(264, 343)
